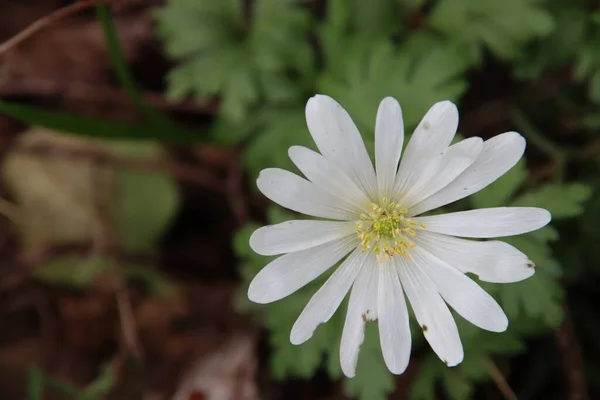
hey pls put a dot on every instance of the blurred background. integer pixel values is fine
(131, 136)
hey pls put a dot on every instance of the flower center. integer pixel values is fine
(386, 231)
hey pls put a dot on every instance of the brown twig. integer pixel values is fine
(47, 20)
(105, 244)
(568, 346)
(178, 170)
(500, 380)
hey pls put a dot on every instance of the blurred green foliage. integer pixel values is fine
(264, 69)
(38, 385)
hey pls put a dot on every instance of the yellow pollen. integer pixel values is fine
(386, 230)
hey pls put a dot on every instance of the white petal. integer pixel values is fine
(433, 134)
(394, 329)
(328, 298)
(291, 236)
(499, 154)
(443, 169)
(464, 295)
(329, 177)
(431, 312)
(487, 222)
(491, 261)
(290, 272)
(297, 194)
(358, 314)
(389, 136)
(338, 139)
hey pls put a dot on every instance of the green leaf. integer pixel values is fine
(538, 297)
(424, 385)
(146, 202)
(373, 381)
(155, 282)
(35, 384)
(588, 65)
(72, 270)
(67, 391)
(268, 149)
(558, 48)
(502, 27)
(457, 386)
(97, 127)
(537, 247)
(432, 371)
(562, 200)
(360, 72)
(101, 386)
(223, 54)
(500, 192)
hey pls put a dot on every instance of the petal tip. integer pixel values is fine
(398, 369)
(256, 239)
(296, 338)
(349, 373)
(499, 325)
(546, 217)
(256, 294)
(447, 106)
(389, 101)
(319, 99)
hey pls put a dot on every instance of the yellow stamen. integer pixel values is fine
(385, 230)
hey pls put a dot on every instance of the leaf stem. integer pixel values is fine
(120, 64)
(559, 156)
(500, 380)
(125, 76)
(534, 135)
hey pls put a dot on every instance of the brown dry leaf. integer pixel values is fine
(55, 195)
(73, 50)
(227, 373)
(70, 189)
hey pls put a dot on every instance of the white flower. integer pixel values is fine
(391, 250)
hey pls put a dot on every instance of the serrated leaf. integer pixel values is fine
(502, 27)
(223, 54)
(360, 72)
(538, 297)
(269, 146)
(561, 46)
(562, 200)
(535, 245)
